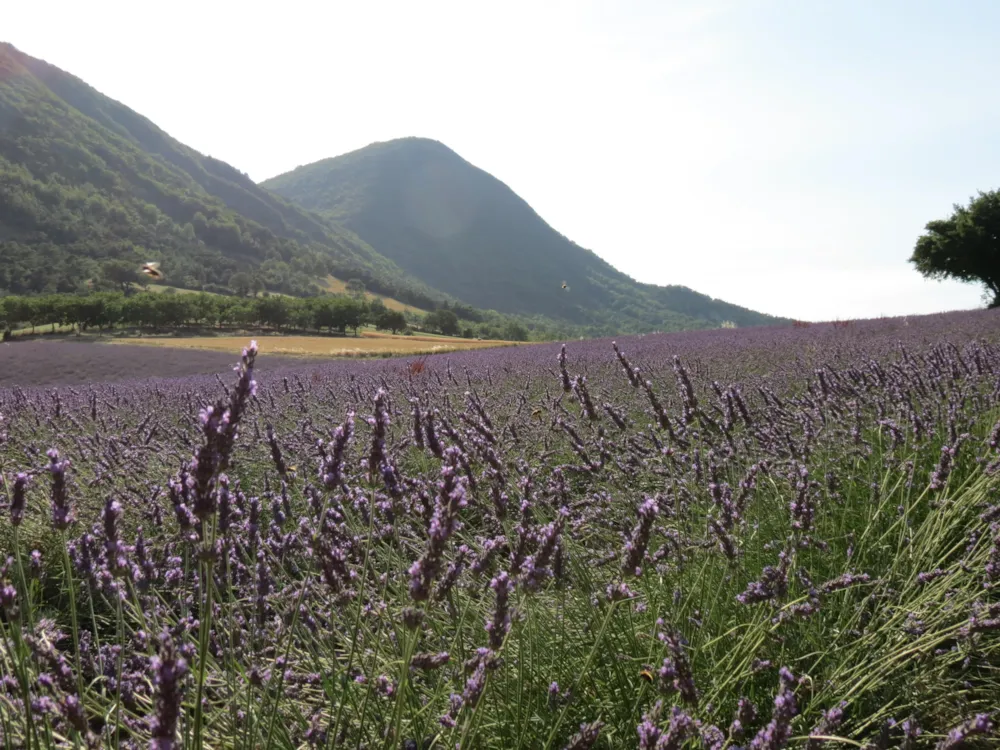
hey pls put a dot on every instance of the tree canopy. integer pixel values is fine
(965, 246)
(444, 321)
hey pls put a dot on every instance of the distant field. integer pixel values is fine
(62, 362)
(161, 288)
(367, 345)
(336, 286)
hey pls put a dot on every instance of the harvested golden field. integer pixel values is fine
(336, 286)
(321, 346)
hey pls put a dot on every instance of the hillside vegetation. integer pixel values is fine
(461, 230)
(89, 190)
(84, 179)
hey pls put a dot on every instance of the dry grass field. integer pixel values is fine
(369, 344)
(336, 286)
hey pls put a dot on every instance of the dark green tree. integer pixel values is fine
(514, 331)
(444, 321)
(965, 246)
(242, 284)
(391, 320)
(272, 311)
(120, 273)
(376, 309)
(352, 313)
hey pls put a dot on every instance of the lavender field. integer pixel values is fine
(37, 363)
(762, 538)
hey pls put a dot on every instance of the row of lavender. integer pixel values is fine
(723, 539)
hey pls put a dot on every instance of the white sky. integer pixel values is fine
(779, 154)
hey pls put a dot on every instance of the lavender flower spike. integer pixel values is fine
(635, 548)
(778, 731)
(169, 670)
(586, 738)
(17, 498)
(981, 724)
(62, 512)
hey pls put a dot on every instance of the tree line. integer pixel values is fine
(148, 310)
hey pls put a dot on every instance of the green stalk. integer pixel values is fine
(281, 676)
(583, 673)
(25, 612)
(73, 620)
(121, 658)
(97, 637)
(368, 691)
(205, 626)
(357, 619)
(4, 723)
(397, 712)
(22, 677)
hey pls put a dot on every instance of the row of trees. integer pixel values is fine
(106, 310)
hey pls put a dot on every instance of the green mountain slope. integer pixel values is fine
(84, 179)
(464, 232)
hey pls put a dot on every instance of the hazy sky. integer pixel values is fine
(780, 154)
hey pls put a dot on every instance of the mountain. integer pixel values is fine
(87, 185)
(462, 231)
(85, 180)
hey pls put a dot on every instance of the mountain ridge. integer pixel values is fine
(461, 230)
(70, 156)
(85, 180)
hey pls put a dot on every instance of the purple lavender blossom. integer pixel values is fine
(941, 473)
(827, 725)
(378, 460)
(779, 730)
(649, 729)
(429, 661)
(772, 586)
(451, 498)
(675, 674)
(332, 456)
(745, 716)
(978, 725)
(563, 372)
(499, 625)
(169, 670)
(17, 498)
(844, 581)
(911, 733)
(62, 512)
(586, 738)
(993, 562)
(631, 373)
(636, 546)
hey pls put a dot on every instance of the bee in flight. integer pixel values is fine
(565, 286)
(152, 270)
(647, 675)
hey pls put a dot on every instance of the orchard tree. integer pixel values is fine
(965, 246)
(443, 320)
(391, 320)
(121, 274)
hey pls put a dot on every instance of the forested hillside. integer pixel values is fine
(460, 230)
(90, 190)
(84, 179)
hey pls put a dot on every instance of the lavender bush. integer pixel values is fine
(762, 538)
